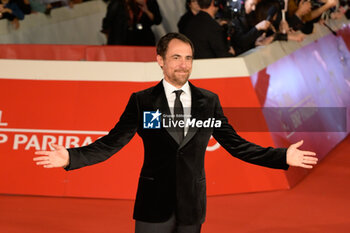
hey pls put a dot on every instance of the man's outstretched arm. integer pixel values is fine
(279, 158)
(98, 151)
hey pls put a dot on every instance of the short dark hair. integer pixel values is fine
(204, 4)
(163, 43)
(187, 5)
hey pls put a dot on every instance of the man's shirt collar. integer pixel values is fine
(169, 88)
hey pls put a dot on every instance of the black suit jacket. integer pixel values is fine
(172, 178)
(207, 36)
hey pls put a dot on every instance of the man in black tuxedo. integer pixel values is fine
(171, 195)
(208, 37)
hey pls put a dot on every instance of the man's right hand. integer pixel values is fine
(59, 157)
(263, 25)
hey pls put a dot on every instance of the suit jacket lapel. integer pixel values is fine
(198, 103)
(160, 102)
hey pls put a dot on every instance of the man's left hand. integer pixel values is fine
(299, 158)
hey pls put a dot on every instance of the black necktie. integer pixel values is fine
(179, 115)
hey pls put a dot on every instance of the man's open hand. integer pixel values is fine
(299, 158)
(59, 157)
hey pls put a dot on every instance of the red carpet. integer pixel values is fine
(319, 204)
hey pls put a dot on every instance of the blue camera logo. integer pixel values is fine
(151, 119)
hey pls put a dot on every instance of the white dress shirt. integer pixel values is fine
(185, 99)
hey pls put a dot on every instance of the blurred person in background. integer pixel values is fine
(303, 14)
(52, 4)
(208, 37)
(345, 5)
(337, 12)
(39, 6)
(24, 5)
(128, 22)
(192, 8)
(277, 30)
(45, 6)
(246, 30)
(11, 11)
(295, 13)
